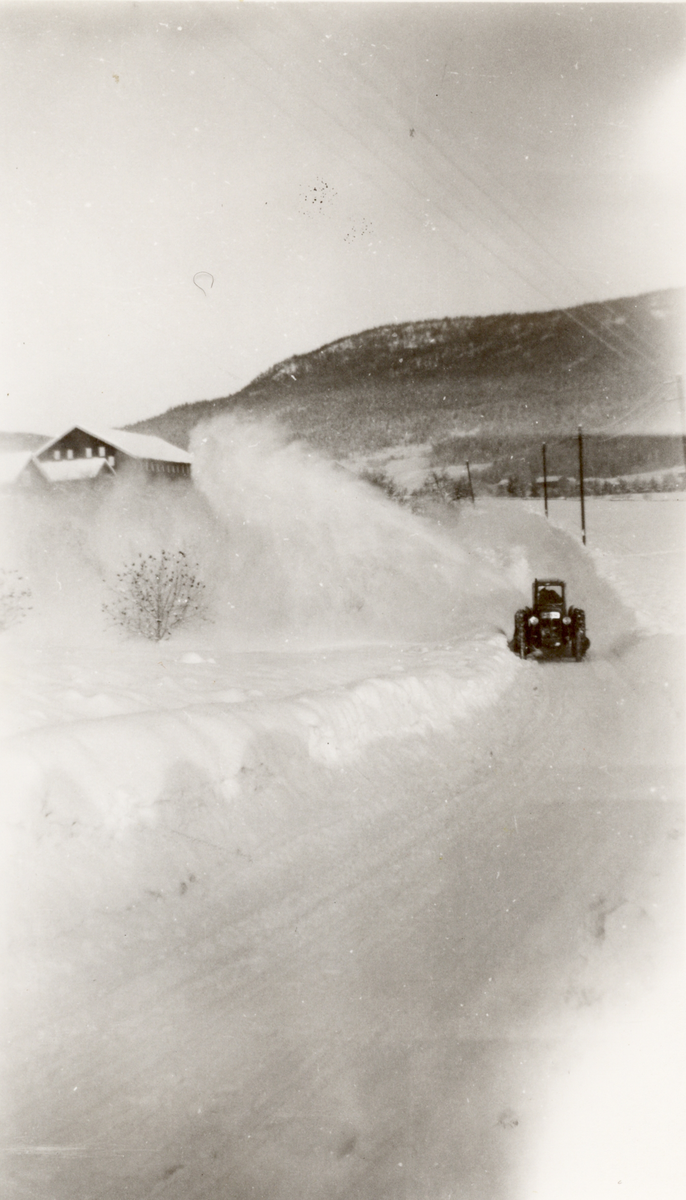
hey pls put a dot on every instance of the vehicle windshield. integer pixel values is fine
(549, 596)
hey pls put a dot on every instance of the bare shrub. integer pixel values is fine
(15, 595)
(443, 486)
(379, 479)
(155, 594)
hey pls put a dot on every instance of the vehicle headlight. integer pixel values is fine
(533, 620)
(566, 620)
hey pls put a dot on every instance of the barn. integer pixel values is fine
(556, 485)
(86, 452)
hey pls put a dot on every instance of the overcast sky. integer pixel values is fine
(197, 191)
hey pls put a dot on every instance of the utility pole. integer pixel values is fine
(469, 479)
(545, 483)
(581, 486)
(680, 398)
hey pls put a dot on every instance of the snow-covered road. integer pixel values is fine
(345, 922)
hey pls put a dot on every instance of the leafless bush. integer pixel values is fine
(155, 594)
(15, 595)
(442, 486)
(379, 479)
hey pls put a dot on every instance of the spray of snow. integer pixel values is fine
(313, 553)
(292, 548)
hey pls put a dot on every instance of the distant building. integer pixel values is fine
(87, 453)
(556, 485)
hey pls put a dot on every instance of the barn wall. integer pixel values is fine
(78, 441)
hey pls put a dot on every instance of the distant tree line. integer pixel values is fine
(441, 485)
(516, 485)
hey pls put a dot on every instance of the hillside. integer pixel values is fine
(21, 441)
(493, 379)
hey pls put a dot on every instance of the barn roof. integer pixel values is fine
(137, 445)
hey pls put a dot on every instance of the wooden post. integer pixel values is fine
(545, 483)
(469, 478)
(581, 486)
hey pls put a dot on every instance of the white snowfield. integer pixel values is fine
(327, 896)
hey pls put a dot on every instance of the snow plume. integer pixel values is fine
(312, 552)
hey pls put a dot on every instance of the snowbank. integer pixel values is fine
(114, 771)
(640, 551)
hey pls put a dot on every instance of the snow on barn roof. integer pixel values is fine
(12, 463)
(66, 470)
(144, 445)
(137, 445)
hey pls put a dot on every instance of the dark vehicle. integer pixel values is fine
(549, 629)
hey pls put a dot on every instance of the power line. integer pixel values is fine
(584, 322)
(614, 340)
